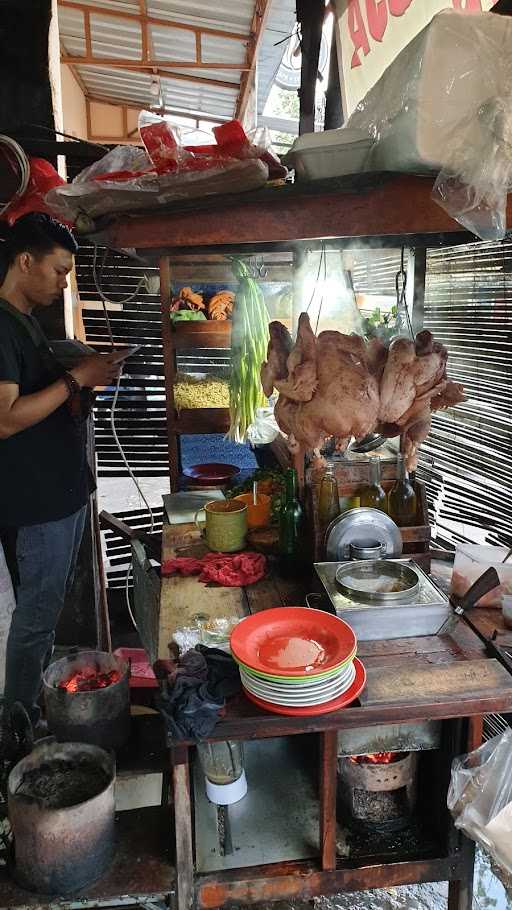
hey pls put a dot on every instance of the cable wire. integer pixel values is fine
(24, 169)
(105, 300)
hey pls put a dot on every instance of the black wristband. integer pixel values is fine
(73, 385)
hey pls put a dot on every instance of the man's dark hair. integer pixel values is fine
(36, 233)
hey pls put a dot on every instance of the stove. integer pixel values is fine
(377, 791)
(423, 616)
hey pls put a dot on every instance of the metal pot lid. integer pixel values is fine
(357, 526)
(377, 581)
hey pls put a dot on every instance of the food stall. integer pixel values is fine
(425, 693)
(318, 758)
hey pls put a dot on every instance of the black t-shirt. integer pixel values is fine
(44, 473)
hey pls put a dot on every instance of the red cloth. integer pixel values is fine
(230, 570)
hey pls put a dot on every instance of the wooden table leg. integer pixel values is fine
(182, 828)
(328, 774)
(460, 892)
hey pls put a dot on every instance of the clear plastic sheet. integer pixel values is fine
(445, 105)
(480, 799)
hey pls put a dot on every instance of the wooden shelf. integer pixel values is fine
(380, 205)
(196, 421)
(209, 334)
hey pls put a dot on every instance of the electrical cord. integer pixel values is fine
(23, 165)
(105, 300)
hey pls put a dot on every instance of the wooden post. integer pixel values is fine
(182, 827)
(169, 372)
(333, 104)
(418, 265)
(328, 774)
(311, 17)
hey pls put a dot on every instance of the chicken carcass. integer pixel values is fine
(346, 402)
(339, 385)
(301, 381)
(279, 347)
(405, 375)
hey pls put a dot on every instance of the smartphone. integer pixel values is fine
(122, 353)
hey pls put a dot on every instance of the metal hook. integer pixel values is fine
(262, 269)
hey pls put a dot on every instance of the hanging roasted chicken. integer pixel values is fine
(342, 386)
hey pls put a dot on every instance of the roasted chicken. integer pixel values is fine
(339, 385)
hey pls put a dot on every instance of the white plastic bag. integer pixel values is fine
(264, 429)
(480, 798)
(445, 105)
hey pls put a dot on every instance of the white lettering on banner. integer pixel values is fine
(370, 34)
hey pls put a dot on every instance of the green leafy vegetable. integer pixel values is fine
(249, 339)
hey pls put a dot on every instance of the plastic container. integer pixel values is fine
(223, 768)
(331, 153)
(471, 561)
(258, 516)
(141, 671)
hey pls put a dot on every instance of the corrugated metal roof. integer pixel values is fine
(280, 24)
(116, 38)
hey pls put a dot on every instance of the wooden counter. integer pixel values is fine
(447, 678)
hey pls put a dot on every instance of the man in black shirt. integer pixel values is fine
(44, 477)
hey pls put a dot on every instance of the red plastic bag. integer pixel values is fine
(160, 143)
(43, 178)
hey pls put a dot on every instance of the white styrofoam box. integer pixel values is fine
(7, 604)
(331, 153)
(431, 97)
(136, 791)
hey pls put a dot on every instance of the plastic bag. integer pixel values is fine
(445, 105)
(130, 179)
(480, 798)
(43, 178)
(264, 429)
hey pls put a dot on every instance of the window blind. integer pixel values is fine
(466, 461)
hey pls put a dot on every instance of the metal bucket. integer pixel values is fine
(100, 717)
(60, 850)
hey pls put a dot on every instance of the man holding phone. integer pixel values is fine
(45, 481)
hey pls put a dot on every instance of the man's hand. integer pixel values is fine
(96, 370)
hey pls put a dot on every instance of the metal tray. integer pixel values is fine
(424, 615)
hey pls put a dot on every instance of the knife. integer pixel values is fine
(487, 581)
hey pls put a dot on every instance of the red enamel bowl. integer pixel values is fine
(292, 641)
(211, 473)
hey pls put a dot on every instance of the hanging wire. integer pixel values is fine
(317, 278)
(401, 295)
(323, 288)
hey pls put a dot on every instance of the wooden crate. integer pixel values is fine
(352, 477)
(211, 333)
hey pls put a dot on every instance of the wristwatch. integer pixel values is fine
(73, 385)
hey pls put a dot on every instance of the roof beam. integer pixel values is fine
(185, 77)
(124, 63)
(259, 19)
(133, 106)
(142, 17)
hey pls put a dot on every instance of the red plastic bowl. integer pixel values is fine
(211, 473)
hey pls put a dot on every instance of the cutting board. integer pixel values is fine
(181, 599)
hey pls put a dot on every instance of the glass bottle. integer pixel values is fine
(373, 496)
(290, 519)
(328, 499)
(402, 498)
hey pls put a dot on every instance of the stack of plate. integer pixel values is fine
(297, 661)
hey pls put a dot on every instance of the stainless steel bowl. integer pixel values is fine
(377, 581)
